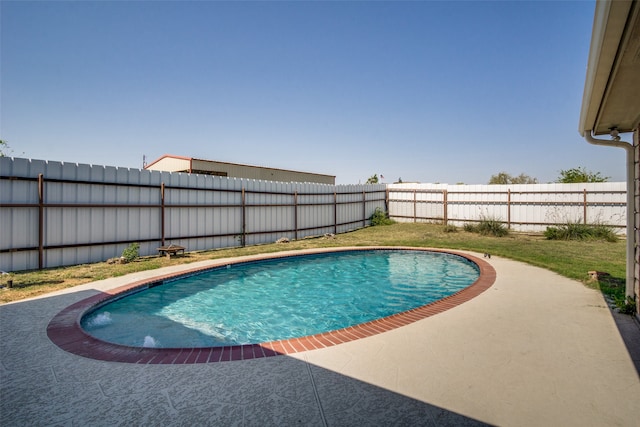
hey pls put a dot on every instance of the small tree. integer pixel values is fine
(524, 179)
(380, 217)
(4, 148)
(580, 174)
(372, 179)
(505, 178)
(500, 178)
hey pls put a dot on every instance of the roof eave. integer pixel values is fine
(609, 26)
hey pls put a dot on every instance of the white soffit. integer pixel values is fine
(612, 87)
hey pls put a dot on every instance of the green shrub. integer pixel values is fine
(380, 217)
(580, 231)
(627, 306)
(131, 252)
(492, 227)
(604, 232)
(487, 227)
(553, 233)
(470, 228)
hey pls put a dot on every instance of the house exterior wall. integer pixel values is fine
(636, 198)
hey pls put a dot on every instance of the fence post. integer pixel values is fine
(295, 213)
(415, 205)
(162, 213)
(509, 208)
(243, 236)
(364, 209)
(386, 200)
(584, 204)
(335, 212)
(40, 221)
(445, 202)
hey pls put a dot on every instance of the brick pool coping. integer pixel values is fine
(65, 331)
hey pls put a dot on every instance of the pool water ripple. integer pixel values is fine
(281, 298)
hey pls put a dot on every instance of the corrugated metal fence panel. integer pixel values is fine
(375, 200)
(180, 222)
(347, 206)
(530, 207)
(429, 205)
(535, 209)
(401, 202)
(527, 207)
(274, 213)
(231, 217)
(605, 203)
(323, 213)
(315, 209)
(80, 224)
(286, 213)
(19, 225)
(268, 212)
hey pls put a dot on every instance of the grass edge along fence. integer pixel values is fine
(521, 207)
(56, 214)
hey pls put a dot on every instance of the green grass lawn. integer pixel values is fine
(573, 259)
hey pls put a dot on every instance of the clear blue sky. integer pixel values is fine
(424, 91)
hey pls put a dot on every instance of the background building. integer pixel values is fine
(170, 163)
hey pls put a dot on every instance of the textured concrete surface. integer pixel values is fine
(535, 349)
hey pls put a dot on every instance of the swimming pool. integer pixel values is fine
(397, 267)
(278, 299)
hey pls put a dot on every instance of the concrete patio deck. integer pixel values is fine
(535, 349)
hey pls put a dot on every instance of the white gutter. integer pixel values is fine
(615, 142)
(595, 85)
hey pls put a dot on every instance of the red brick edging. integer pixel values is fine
(65, 331)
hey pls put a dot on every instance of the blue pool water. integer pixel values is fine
(280, 298)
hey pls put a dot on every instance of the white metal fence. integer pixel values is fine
(522, 207)
(54, 214)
